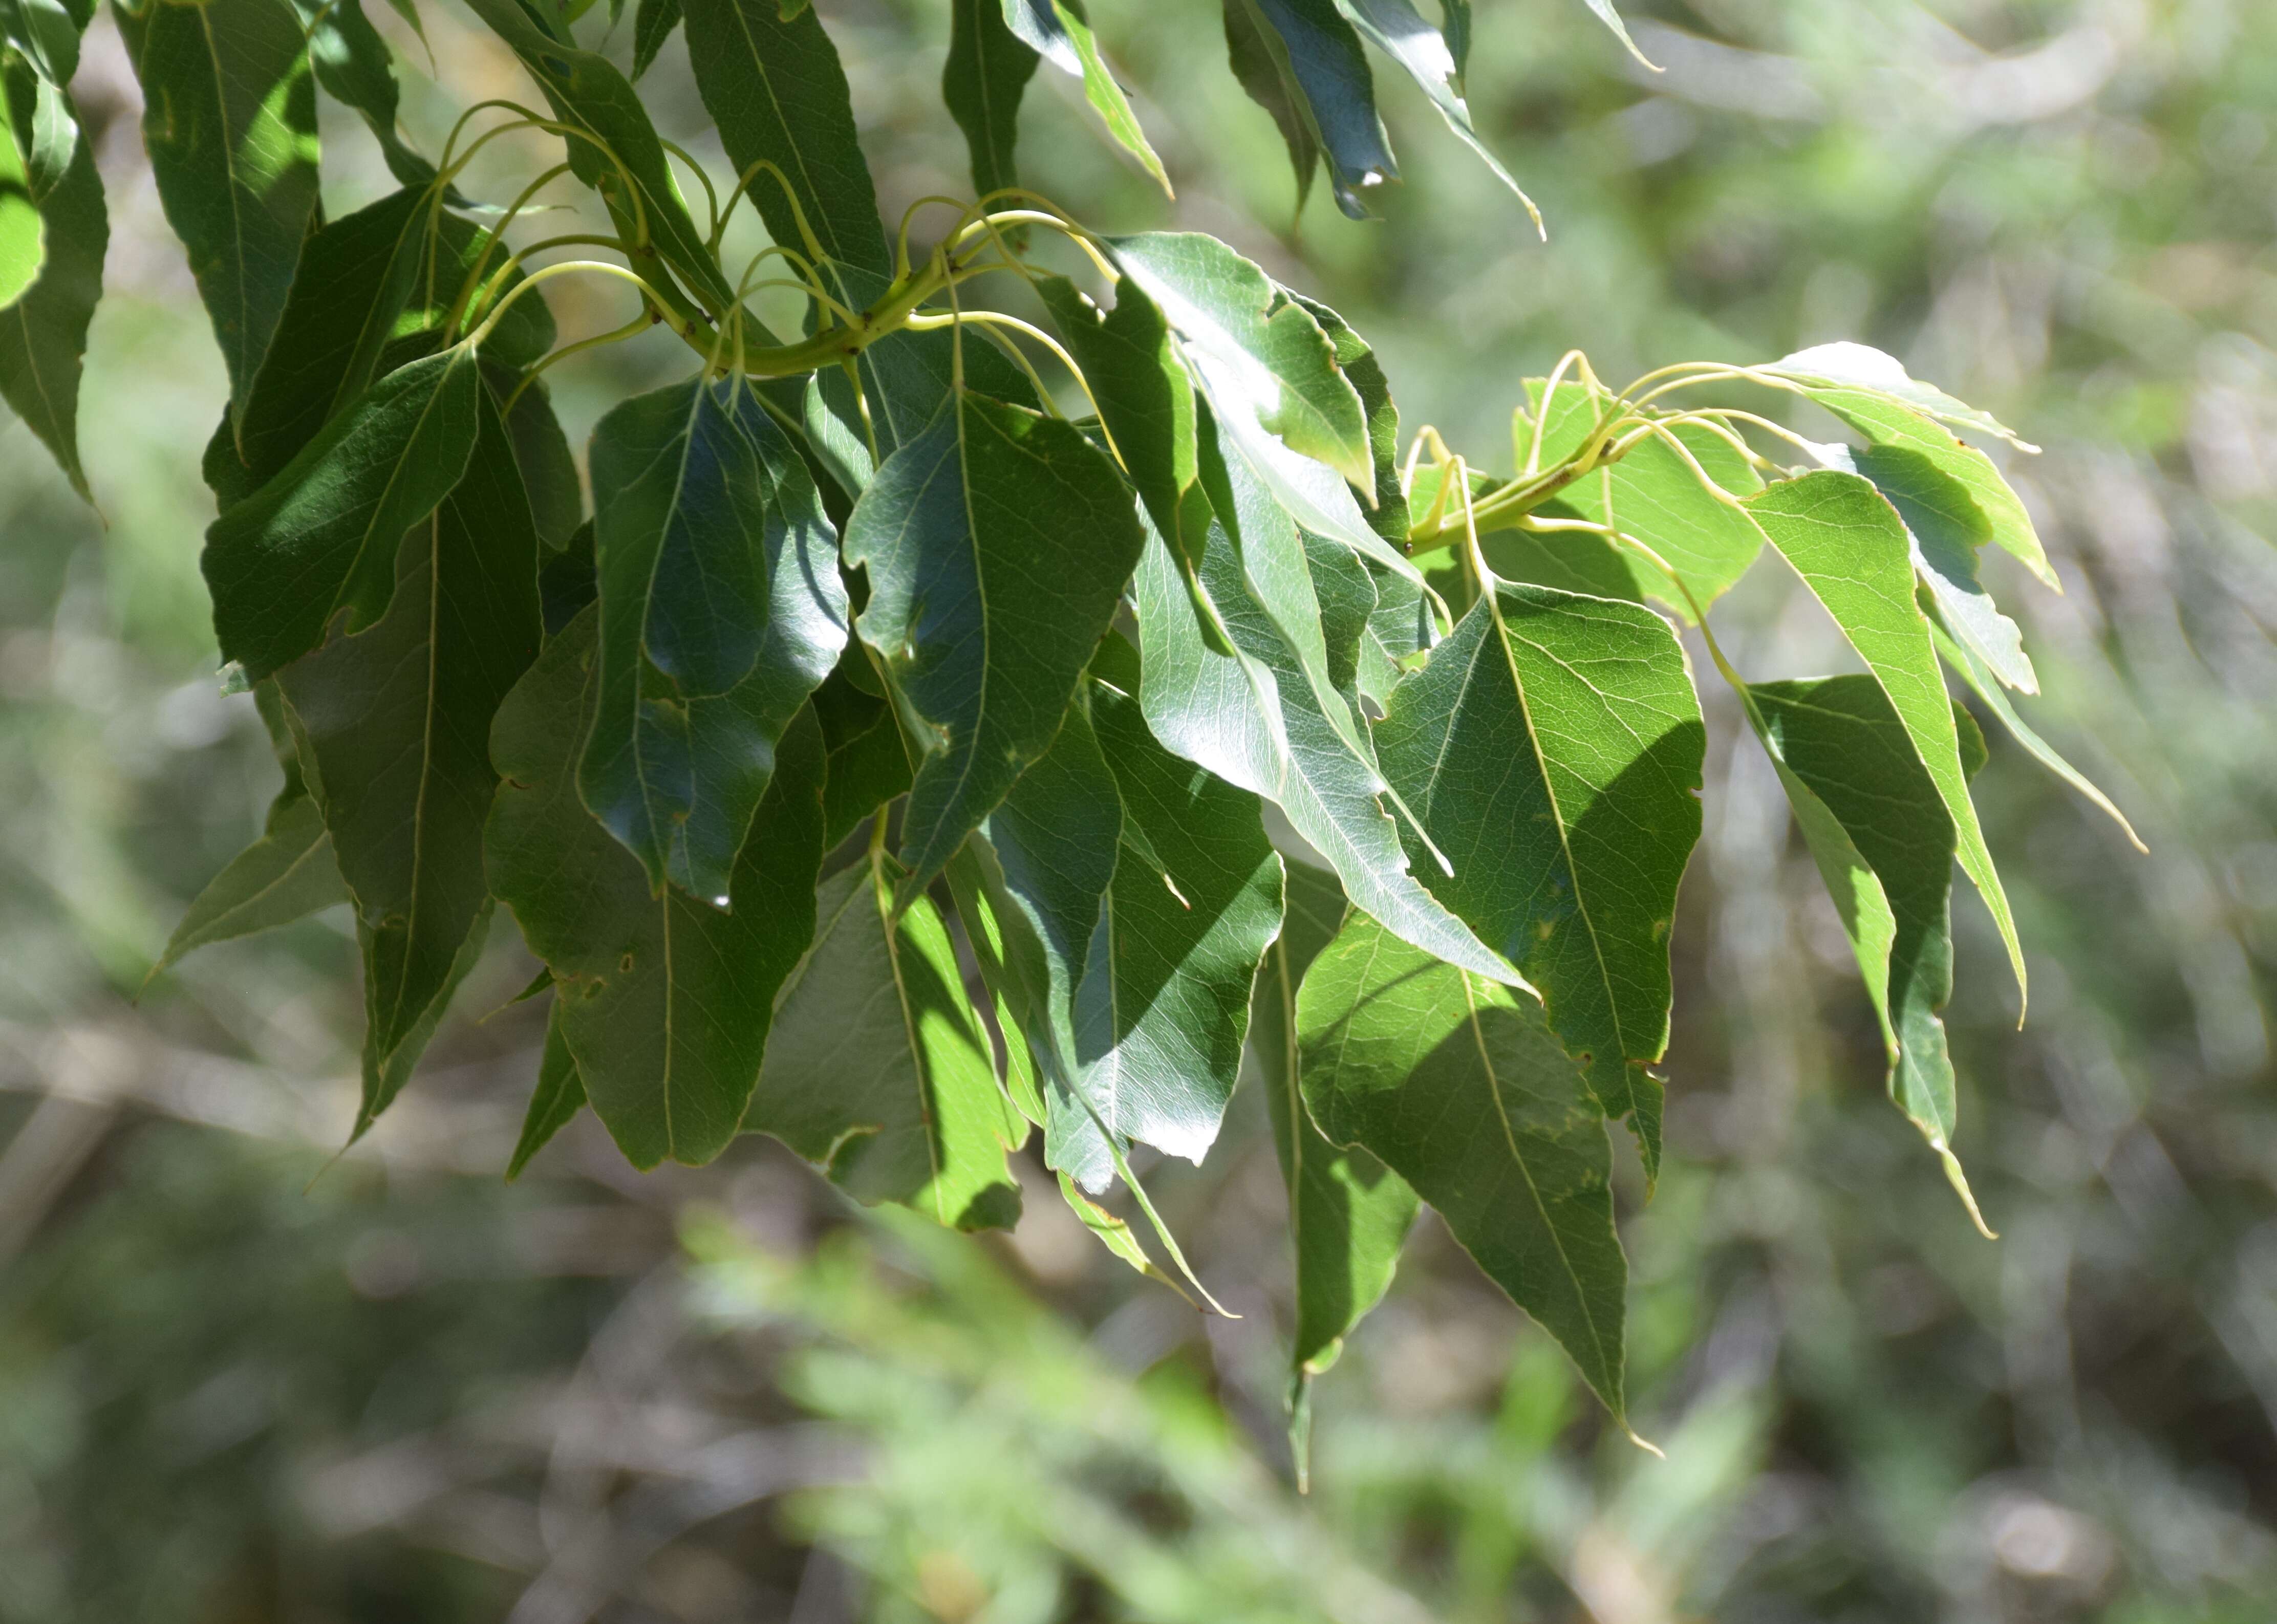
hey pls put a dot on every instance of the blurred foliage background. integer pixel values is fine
(243, 1380)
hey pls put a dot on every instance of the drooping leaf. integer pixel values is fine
(1985, 686)
(664, 1001)
(287, 874)
(1851, 549)
(1900, 414)
(1115, 1235)
(229, 115)
(560, 1095)
(1461, 1089)
(1259, 356)
(1146, 398)
(1318, 58)
(22, 234)
(1608, 14)
(721, 610)
(1389, 515)
(1552, 747)
(653, 26)
(1653, 494)
(1059, 32)
(878, 1068)
(1263, 71)
(541, 451)
(1348, 1214)
(1423, 51)
(354, 67)
(384, 1077)
(43, 333)
(868, 764)
(1252, 715)
(321, 536)
(987, 72)
(624, 161)
(997, 543)
(395, 721)
(1884, 842)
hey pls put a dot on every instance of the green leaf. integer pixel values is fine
(1986, 687)
(354, 68)
(568, 581)
(1115, 1235)
(1612, 18)
(1163, 1005)
(721, 610)
(868, 764)
(1653, 495)
(664, 1001)
(1419, 48)
(230, 118)
(1146, 399)
(1325, 75)
(1263, 71)
(589, 93)
(1463, 1090)
(43, 334)
(1261, 358)
(987, 72)
(1058, 31)
(1253, 717)
(878, 1068)
(321, 536)
(1851, 549)
(997, 543)
(1552, 747)
(48, 35)
(1908, 422)
(384, 1077)
(1879, 832)
(560, 1095)
(653, 26)
(285, 875)
(541, 451)
(394, 722)
(22, 234)
(1348, 1214)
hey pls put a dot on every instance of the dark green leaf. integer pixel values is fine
(868, 765)
(285, 875)
(1552, 747)
(321, 535)
(721, 610)
(987, 72)
(230, 118)
(549, 468)
(653, 26)
(394, 725)
(1851, 549)
(1884, 842)
(997, 543)
(1058, 31)
(879, 1068)
(48, 35)
(561, 1094)
(1261, 69)
(1462, 1088)
(568, 581)
(664, 1001)
(1318, 55)
(43, 334)
(384, 1077)
(1403, 36)
(353, 68)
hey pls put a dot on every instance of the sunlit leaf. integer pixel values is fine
(1423, 51)
(43, 332)
(1059, 32)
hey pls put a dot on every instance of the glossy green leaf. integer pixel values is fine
(721, 610)
(1653, 494)
(1851, 549)
(1058, 31)
(1884, 842)
(589, 93)
(1552, 747)
(1947, 528)
(987, 72)
(1318, 57)
(1909, 425)
(1252, 715)
(1261, 69)
(287, 874)
(653, 26)
(321, 536)
(878, 1068)
(1987, 688)
(394, 722)
(997, 543)
(1461, 1089)
(1397, 30)
(43, 333)
(229, 115)
(1348, 1214)
(560, 1095)
(664, 1001)
(1261, 358)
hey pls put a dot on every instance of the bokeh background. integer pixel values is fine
(244, 1378)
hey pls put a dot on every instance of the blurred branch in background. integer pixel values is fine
(240, 1381)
